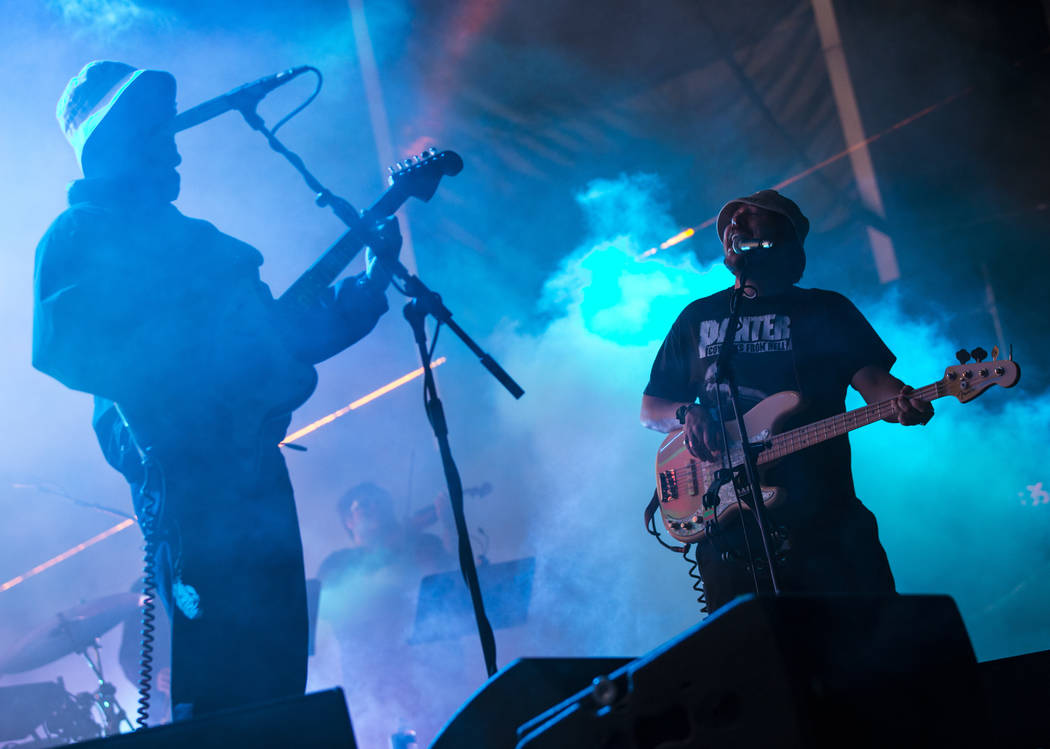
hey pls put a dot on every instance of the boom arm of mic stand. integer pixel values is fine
(431, 304)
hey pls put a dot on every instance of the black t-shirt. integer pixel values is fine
(807, 340)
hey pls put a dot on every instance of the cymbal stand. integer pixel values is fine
(105, 696)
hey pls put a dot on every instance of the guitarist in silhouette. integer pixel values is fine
(165, 315)
(807, 340)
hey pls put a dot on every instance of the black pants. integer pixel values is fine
(233, 539)
(840, 554)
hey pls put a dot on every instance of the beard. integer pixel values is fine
(785, 261)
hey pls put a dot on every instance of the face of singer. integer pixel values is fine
(753, 223)
(136, 142)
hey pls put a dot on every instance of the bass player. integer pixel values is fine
(812, 341)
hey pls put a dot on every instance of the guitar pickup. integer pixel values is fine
(668, 486)
(761, 441)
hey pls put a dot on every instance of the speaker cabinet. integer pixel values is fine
(1017, 691)
(786, 672)
(520, 691)
(318, 720)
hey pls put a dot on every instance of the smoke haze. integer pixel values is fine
(576, 163)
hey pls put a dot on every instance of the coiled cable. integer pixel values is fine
(698, 580)
(148, 522)
(151, 493)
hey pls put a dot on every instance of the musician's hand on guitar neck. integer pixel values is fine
(911, 411)
(384, 243)
(702, 435)
(877, 385)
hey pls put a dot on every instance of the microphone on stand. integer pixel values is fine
(239, 98)
(741, 246)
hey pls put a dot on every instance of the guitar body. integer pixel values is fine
(682, 479)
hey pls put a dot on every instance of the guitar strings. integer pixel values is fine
(795, 439)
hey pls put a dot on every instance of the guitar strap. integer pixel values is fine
(650, 524)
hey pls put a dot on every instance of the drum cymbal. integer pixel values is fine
(68, 632)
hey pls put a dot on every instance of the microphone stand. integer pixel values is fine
(424, 302)
(322, 195)
(724, 374)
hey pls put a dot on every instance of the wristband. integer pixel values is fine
(682, 410)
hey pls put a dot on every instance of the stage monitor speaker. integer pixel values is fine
(786, 672)
(520, 691)
(1017, 691)
(318, 720)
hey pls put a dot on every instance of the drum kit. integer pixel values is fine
(45, 713)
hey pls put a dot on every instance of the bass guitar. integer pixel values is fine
(682, 479)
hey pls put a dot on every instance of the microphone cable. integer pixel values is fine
(305, 104)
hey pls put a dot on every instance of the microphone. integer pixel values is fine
(741, 246)
(239, 98)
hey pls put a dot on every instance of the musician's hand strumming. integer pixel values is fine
(702, 434)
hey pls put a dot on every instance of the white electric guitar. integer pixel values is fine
(682, 479)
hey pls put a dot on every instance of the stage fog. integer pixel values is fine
(591, 135)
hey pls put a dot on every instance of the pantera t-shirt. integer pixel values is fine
(807, 340)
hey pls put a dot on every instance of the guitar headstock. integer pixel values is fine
(968, 379)
(418, 176)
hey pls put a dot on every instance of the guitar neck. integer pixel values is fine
(312, 283)
(794, 440)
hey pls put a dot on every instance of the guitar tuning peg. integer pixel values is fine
(422, 156)
(390, 170)
(432, 151)
(979, 354)
(995, 353)
(962, 355)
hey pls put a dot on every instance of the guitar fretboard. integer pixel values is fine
(313, 282)
(327, 268)
(794, 440)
